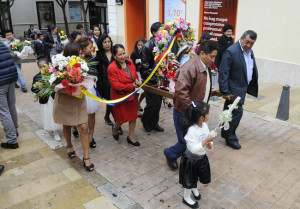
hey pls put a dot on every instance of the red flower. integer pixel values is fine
(65, 82)
(77, 65)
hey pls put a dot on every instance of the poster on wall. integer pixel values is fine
(216, 14)
(173, 9)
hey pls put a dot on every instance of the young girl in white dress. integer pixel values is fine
(194, 164)
(46, 104)
(92, 105)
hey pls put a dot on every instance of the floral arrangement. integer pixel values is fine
(62, 35)
(167, 70)
(225, 117)
(21, 49)
(69, 74)
(184, 34)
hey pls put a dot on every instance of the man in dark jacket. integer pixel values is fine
(193, 83)
(150, 117)
(8, 112)
(238, 75)
(39, 46)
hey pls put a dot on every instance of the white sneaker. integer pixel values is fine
(57, 137)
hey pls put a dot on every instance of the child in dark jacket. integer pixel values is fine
(39, 46)
(46, 103)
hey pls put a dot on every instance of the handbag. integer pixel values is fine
(59, 47)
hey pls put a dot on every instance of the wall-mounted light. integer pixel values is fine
(119, 2)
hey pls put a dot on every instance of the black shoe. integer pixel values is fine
(234, 145)
(71, 154)
(75, 134)
(120, 131)
(88, 168)
(116, 137)
(108, 121)
(147, 128)
(24, 90)
(9, 146)
(141, 110)
(158, 128)
(196, 197)
(171, 163)
(195, 205)
(17, 86)
(136, 143)
(170, 105)
(93, 143)
(1, 168)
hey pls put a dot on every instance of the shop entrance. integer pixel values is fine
(135, 22)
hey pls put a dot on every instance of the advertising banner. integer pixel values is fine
(173, 9)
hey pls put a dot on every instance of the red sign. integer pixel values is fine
(216, 14)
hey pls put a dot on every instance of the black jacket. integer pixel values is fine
(103, 85)
(233, 74)
(48, 42)
(39, 49)
(223, 43)
(8, 70)
(134, 56)
(148, 61)
(37, 78)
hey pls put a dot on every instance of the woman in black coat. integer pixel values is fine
(224, 42)
(52, 42)
(104, 56)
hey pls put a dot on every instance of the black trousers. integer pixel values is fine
(150, 117)
(237, 114)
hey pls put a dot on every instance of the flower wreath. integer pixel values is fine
(184, 35)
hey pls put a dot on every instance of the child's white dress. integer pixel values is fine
(92, 105)
(47, 116)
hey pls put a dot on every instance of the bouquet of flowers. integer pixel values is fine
(21, 49)
(225, 117)
(184, 35)
(62, 35)
(167, 70)
(69, 74)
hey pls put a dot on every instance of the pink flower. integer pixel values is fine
(167, 27)
(158, 37)
(52, 69)
(155, 49)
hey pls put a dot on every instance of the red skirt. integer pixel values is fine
(126, 111)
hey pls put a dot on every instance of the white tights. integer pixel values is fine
(187, 195)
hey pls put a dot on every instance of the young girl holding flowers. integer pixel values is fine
(72, 111)
(92, 105)
(46, 103)
(194, 163)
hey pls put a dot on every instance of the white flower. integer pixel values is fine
(84, 66)
(52, 78)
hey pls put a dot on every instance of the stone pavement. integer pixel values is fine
(265, 173)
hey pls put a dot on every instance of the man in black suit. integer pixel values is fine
(238, 75)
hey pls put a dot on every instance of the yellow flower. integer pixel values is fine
(60, 75)
(169, 23)
(73, 62)
(164, 31)
(25, 41)
(62, 32)
(63, 37)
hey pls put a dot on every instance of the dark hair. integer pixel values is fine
(136, 43)
(207, 47)
(96, 26)
(72, 49)
(79, 26)
(155, 26)
(42, 60)
(251, 34)
(51, 28)
(204, 36)
(100, 41)
(116, 47)
(227, 27)
(193, 114)
(8, 31)
(39, 35)
(74, 35)
(84, 42)
(31, 25)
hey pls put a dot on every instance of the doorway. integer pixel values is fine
(98, 15)
(135, 22)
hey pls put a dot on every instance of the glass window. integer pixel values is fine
(46, 15)
(75, 11)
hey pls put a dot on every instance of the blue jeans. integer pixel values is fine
(20, 77)
(179, 148)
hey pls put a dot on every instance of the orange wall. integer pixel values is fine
(134, 23)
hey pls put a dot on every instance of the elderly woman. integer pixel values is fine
(123, 79)
(224, 42)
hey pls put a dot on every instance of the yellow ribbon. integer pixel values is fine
(85, 92)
